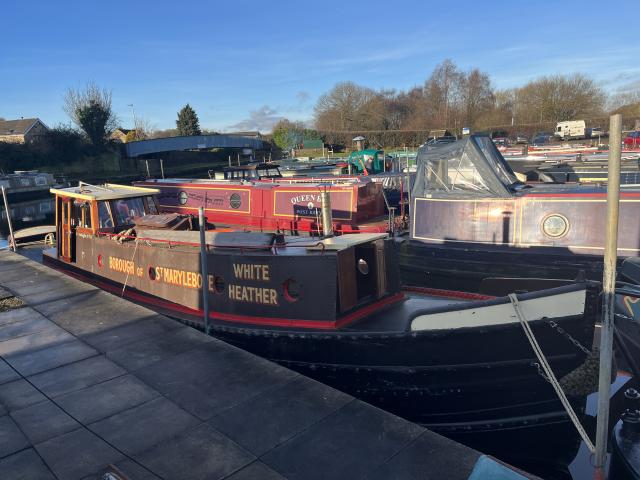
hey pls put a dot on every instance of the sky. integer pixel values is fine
(243, 65)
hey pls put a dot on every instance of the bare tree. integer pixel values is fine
(90, 109)
(560, 97)
(349, 107)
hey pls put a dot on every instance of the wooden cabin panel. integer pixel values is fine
(581, 236)
(347, 287)
(474, 220)
(172, 274)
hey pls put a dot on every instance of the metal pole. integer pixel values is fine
(12, 240)
(203, 269)
(229, 160)
(238, 159)
(609, 285)
(162, 169)
(148, 174)
(327, 220)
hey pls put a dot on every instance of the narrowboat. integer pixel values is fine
(472, 218)
(333, 309)
(27, 184)
(256, 197)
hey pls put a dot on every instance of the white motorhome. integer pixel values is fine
(570, 129)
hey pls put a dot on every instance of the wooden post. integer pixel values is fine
(203, 269)
(12, 240)
(609, 289)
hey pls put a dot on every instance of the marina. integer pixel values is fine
(118, 389)
(250, 241)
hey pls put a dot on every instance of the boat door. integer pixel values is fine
(67, 230)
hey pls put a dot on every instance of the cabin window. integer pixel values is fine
(104, 217)
(81, 215)
(127, 209)
(152, 209)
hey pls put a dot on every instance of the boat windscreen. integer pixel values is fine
(469, 167)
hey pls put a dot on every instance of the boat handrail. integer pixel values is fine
(118, 236)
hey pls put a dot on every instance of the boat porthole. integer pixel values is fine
(363, 267)
(100, 261)
(152, 273)
(555, 225)
(235, 201)
(291, 290)
(183, 197)
(218, 284)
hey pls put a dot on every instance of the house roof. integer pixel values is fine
(17, 127)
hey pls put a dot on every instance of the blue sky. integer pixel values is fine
(245, 64)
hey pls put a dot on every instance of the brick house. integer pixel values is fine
(25, 130)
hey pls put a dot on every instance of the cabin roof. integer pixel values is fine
(108, 191)
(343, 242)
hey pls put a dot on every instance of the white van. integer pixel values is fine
(570, 129)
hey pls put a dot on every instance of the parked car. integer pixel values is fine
(596, 132)
(501, 142)
(632, 140)
(521, 138)
(541, 138)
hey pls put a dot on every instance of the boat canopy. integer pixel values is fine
(472, 166)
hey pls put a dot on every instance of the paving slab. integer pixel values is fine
(141, 427)
(122, 335)
(25, 465)
(76, 376)
(77, 454)
(350, 443)
(7, 374)
(159, 347)
(107, 398)
(424, 459)
(211, 455)
(256, 470)
(48, 358)
(307, 403)
(189, 380)
(12, 439)
(19, 394)
(43, 421)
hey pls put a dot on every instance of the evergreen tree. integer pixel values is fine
(187, 122)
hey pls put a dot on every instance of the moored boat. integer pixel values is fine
(256, 197)
(27, 183)
(334, 310)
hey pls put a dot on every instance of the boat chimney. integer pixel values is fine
(327, 219)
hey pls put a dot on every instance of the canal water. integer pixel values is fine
(573, 462)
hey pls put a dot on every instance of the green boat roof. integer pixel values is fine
(369, 151)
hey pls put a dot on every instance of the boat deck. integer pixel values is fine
(91, 383)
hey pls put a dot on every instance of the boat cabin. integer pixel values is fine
(465, 192)
(90, 210)
(256, 171)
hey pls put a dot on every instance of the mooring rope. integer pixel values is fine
(127, 277)
(549, 373)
